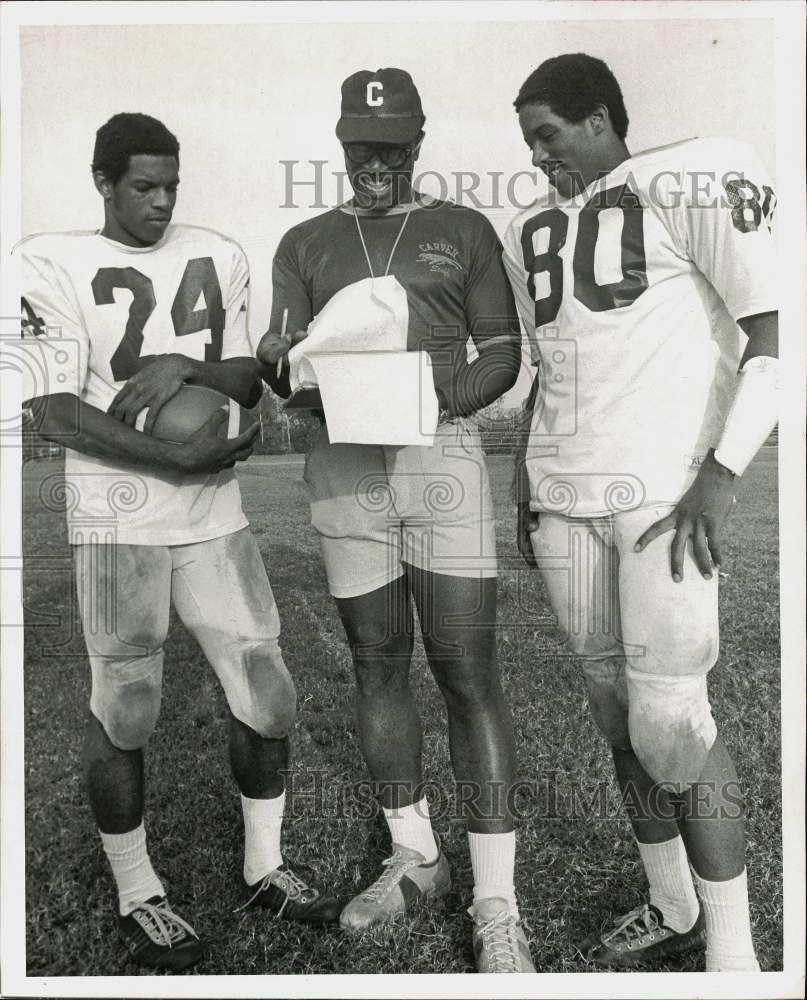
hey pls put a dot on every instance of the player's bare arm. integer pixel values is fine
(702, 511)
(763, 336)
(236, 377)
(63, 417)
(162, 378)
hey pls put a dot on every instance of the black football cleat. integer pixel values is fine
(641, 936)
(156, 937)
(287, 895)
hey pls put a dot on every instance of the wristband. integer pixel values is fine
(752, 415)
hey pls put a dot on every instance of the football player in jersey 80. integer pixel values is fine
(152, 307)
(433, 545)
(646, 439)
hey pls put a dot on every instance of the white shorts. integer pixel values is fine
(376, 508)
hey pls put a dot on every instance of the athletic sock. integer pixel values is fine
(263, 819)
(729, 947)
(410, 826)
(493, 860)
(671, 888)
(131, 868)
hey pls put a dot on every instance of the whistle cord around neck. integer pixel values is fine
(394, 245)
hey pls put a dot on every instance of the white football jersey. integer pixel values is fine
(630, 294)
(110, 306)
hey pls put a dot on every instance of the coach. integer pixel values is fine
(433, 541)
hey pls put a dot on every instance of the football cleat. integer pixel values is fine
(641, 936)
(405, 882)
(287, 895)
(158, 938)
(498, 938)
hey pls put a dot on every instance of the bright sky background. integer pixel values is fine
(241, 98)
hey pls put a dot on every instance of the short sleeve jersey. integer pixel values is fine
(630, 293)
(117, 306)
(448, 260)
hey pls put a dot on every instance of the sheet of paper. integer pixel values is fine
(377, 397)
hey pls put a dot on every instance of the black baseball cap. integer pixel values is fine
(380, 107)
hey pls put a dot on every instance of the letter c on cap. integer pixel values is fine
(374, 100)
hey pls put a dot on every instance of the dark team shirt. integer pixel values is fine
(448, 260)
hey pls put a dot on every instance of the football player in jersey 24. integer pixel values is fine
(655, 274)
(153, 307)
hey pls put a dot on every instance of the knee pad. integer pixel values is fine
(608, 699)
(266, 700)
(680, 649)
(671, 726)
(126, 698)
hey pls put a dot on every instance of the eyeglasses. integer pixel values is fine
(391, 156)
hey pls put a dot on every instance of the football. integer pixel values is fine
(191, 407)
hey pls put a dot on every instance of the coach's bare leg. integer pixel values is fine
(258, 764)
(379, 628)
(114, 781)
(457, 617)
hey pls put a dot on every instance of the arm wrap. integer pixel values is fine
(753, 414)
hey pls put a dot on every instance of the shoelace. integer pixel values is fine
(161, 924)
(500, 942)
(287, 881)
(396, 867)
(635, 925)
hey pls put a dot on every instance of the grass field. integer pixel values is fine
(577, 865)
